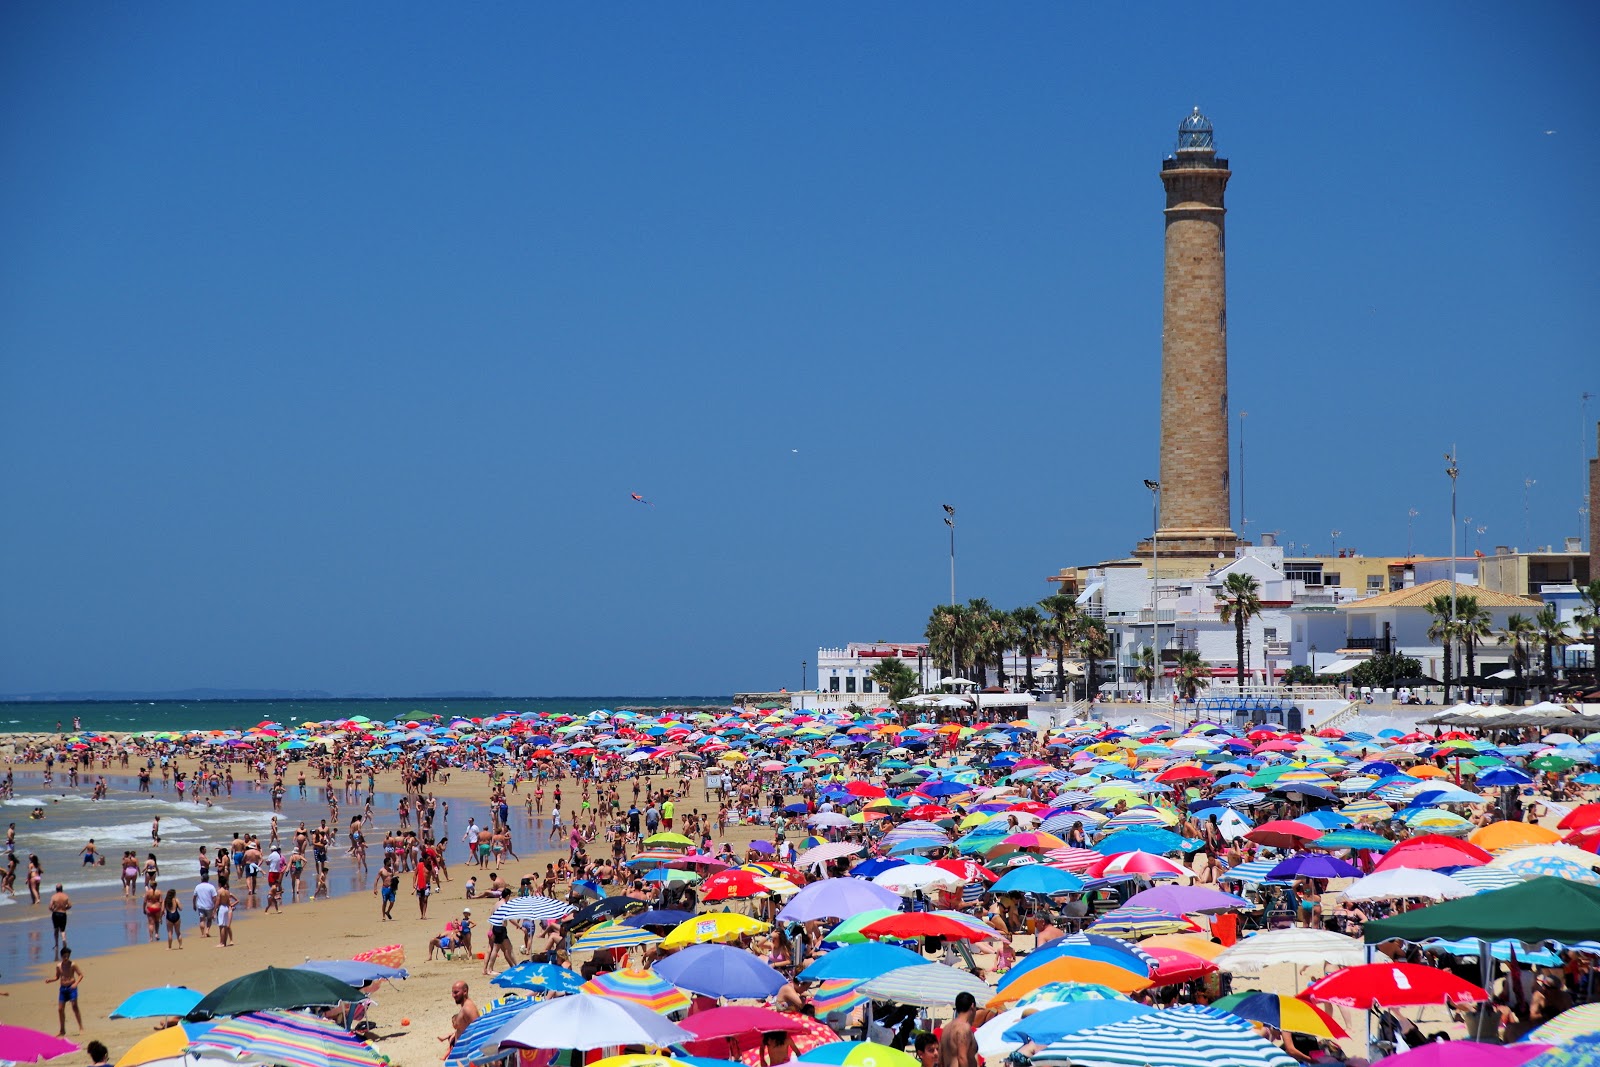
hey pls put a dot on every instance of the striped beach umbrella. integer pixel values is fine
(289, 1039)
(1181, 1037)
(1485, 879)
(836, 995)
(641, 987)
(1075, 860)
(1067, 993)
(1134, 921)
(518, 909)
(926, 985)
(613, 935)
(1582, 1021)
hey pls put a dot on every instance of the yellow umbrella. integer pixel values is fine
(721, 926)
(161, 1045)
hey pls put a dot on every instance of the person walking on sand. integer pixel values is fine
(70, 975)
(59, 906)
(152, 912)
(204, 902)
(387, 885)
(174, 916)
(225, 903)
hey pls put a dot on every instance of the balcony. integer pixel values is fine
(1371, 643)
(1277, 648)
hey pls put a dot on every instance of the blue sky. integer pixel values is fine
(333, 340)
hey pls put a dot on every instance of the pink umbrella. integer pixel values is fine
(1468, 1054)
(1145, 863)
(29, 1046)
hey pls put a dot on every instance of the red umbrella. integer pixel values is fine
(930, 812)
(1580, 818)
(1145, 863)
(1431, 852)
(1174, 965)
(1587, 839)
(864, 789)
(1284, 833)
(725, 885)
(925, 924)
(1184, 772)
(738, 1019)
(1392, 985)
(968, 871)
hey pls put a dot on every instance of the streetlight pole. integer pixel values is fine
(1527, 514)
(950, 521)
(1335, 535)
(1450, 624)
(1155, 578)
(1411, 517)
(1243, 520)
(802, 676)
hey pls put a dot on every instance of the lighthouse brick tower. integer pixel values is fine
(1194, 499)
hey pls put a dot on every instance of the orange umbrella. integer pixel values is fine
(1499, 835)
(1427, 770)
(1069, 969)
(1200, 946)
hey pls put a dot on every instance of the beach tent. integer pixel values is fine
(1544, 908)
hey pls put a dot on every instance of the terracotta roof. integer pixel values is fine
(1418, 596)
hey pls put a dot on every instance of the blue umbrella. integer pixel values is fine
(1503, 776)
(1312, 865)
(354, 972)
(163, 1000)
(720, 971)
(1037, 878)
(873, 868)
(538, 978)
(658, 917)
(1052, 1024)
(867, 960)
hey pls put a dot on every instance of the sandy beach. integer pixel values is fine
(330, 929)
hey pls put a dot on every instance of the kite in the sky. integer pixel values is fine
(640, 499)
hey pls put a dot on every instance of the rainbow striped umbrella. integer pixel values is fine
(289, 1039)
(613, 935)
(644, 988)
(838, 994)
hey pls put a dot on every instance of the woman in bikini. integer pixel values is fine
(152, 912)
(174, 917)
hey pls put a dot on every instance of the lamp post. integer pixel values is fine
(950, 521)
(1450, 624)
(1155, 576)
(802, 676)
(1411, 516)
(1243, 520)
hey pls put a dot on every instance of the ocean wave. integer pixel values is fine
(119, 834)
(80, 803)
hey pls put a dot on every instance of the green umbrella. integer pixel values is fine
(1353, 839)
(1553, 763)
(849, 931)
(275, 987)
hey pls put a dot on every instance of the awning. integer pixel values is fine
(1004, 700)
(1339, 666)
(1088, 594)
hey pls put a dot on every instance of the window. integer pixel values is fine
(1269, 633)
(850, 684)
(833, 684)
(1330, 578)
(1309, 573)
(1374, 583)
(866, 684)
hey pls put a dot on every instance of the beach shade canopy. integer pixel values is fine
(538, 978)
(22, 1045)
(585, 1021)
(858, 1054)
(1294, 945)
(1181, 1037)
(1432, 852)
(476, 1036)
(1392, 985)
(1037, 878)
(905, 925)
(1469, 1054)
(718, 926)
(734, 1020)
(613, 935)
(837, 898)
(1314, 865)
(1543, 909)
(1121, 977)
(862, 961)
(285, 1039)
(926, 985)
(1284, 833)
(1186, 899)
(640, 987)
(720, 971)
(275, 987)
(164, 1048)
(1403, 883)
(356, 972)
(1582, 1022)
(1096, 947)
(1282, 1012)
(162, 1000)
(517, 909)
(1052, 1024)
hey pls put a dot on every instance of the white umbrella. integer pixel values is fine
(1296, 945)
(1555, 850)
(956, 681)
(1406, 882)
(992, 1044)
(910, 877)
(927, 985)
(826, 852)
(587, 1021)
(829, 818)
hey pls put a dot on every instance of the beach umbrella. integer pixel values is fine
(1037, 878)
(355, 972)
(735, 1020)
(861, 962)
(1483, 879)
(1502, 835)
(538, 978)
(1182, 1037)
(719, 926)
(1284, 833)
(1314, 865)
(613, 935)
(1402, 884)
(518, 909)
(1143, 864)
(1129, 921)
(640, 987)
(164, 1048)
(1582, 1021)
(1121, 976)
(826, 853)
(586, 1021)
(1084, 947)
(1295, 945)
(836, 898)
(1473, 1054)
(720, 971)
(1354, 839)
(1175, 965)
(1187, 899)
(1537, 910)
(859, 1054)
(275, 987)
(1433, 852)
(641, 1059)
(925, 985)
(849, 931)
(903, 926)
(658, 917)
(162, 1000)
(1281, 1012)
(285, 1039)
(1542, 866)
(909, 878)
(1195, 944)
(1052, 1024)
(19, 1044)
(1392, 985)
(475, 1037)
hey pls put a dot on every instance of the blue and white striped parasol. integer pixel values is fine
(1180, 1037)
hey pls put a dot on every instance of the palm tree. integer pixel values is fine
(947, 637)
(1146, 670)
(1441, 628)
(1518, 633)
(1029, 626)
(1001, 637)
(1587, 620)
(1550, 633)
(1093, 645)
(895, 677)
(1191, 674)
(1059, 626)
(1473, 624)
(978, 614)
(1241, 602)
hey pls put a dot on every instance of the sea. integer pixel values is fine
(101, 919)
